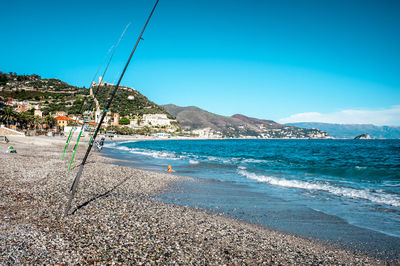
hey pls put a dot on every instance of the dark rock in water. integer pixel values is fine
(363, 136)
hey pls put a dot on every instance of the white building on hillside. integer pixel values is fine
(133, 123)
(60, 113)
(156, 120)
(207, 133)
(38, 112)
(97, 115)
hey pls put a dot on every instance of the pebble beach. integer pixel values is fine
(115, 218)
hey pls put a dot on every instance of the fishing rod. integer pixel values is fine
(94, 96)
(79, 173)
(114, 47)
(83, 103)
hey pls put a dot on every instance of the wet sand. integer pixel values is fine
(115, 218)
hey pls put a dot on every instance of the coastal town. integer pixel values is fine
(35, 106)
(33, 116)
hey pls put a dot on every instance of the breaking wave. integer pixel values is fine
(156, 154)
(379, 197)
(112, 144)
(152, 153)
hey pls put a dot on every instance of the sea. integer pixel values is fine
(345, 192)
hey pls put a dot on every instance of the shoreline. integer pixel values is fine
(117, 219)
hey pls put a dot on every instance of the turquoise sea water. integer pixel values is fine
(346, 191)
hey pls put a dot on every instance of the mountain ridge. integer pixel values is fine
(237, 126)
(350, 131)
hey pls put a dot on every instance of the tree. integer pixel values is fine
(8, 114)
(50, 121)
(31, 111)
(72, 123)
(39, 121)
(77, 102)
(22, 121)
(25, 120)
(124, 121)
(3, 79)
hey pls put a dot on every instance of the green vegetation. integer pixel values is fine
(121, 104)
(55, 95)
(25, 120)
(23, 95)
(7, 115)
(124, 121)
(147, 131)
(12, 76)
(3, 79)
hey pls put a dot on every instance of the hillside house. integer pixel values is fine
(133, 123)
(92, 126)
(156, 120)
(207, 133)
(10, 101)
(38, 113)
(62, 121)
(60, 113)
(21, 108)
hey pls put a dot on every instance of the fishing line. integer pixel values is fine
(95, 94)
(83, 102)
(114, 47)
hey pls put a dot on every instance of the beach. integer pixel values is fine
(116, 218)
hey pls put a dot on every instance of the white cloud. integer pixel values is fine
(390, 116)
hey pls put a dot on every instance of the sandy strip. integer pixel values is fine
(116, 219)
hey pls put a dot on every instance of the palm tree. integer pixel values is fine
(7, 115)
(24, 120)
(38, 122)
(50, 121)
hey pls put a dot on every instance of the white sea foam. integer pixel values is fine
(115, 144)
(123, 148)
(391, 183)
(155, 154)
(110, 144)
(233, 160)
(254, 161)
(167, 155)
(360, 167)
(223, 160)
(373, 196)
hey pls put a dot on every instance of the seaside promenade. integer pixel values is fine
(115, 218)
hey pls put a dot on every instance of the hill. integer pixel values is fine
(125, 105)
(55, 95)
(350, 131)
(238, 126)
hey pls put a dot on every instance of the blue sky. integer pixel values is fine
(286, 60)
